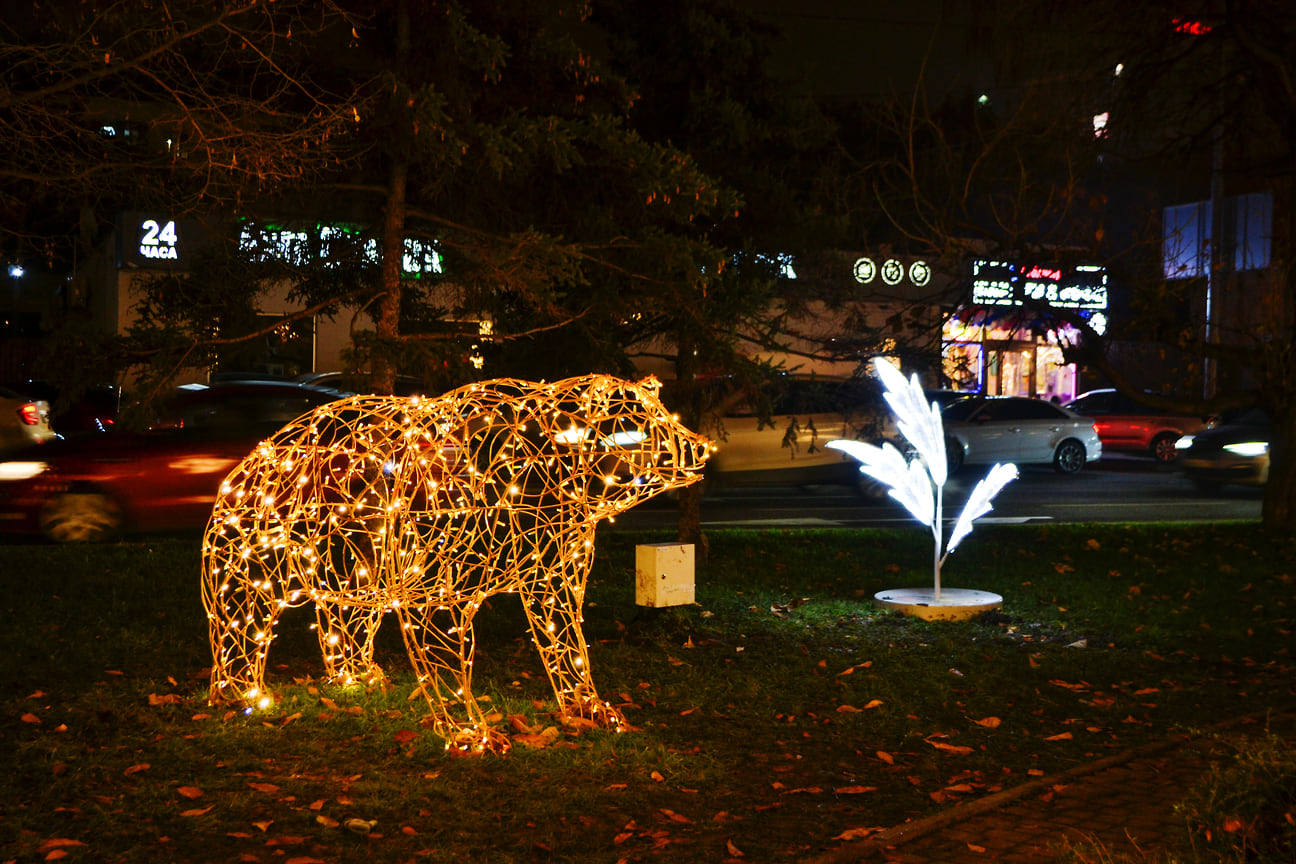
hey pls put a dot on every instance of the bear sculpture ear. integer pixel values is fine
(650, 383)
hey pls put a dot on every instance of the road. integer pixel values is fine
(1116, 489)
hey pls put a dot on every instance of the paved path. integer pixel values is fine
(1126, 802)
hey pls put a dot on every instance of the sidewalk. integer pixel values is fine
(1125, 801)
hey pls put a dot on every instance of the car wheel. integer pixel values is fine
(1163, 449)
(953, 456)
(870, 489)
(1069, 457)
(81, 517)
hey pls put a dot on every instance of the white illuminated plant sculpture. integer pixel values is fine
(425, 508)
(919, 483)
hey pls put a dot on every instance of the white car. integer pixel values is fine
(789, 449)
(23, 421)
(985, 430)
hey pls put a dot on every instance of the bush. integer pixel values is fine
(1245, 810)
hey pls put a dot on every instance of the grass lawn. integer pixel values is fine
(775, 719)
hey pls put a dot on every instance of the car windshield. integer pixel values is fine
(961, 410)
(1247, 417)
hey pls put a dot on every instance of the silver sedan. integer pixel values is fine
(985, 430)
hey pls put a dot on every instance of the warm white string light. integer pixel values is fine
(424, 508)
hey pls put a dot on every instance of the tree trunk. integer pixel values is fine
(1279, 510)
(388, 311)
(690, 497)
(387, 323)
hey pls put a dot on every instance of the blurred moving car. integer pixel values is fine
(23, 421)
(806, 414)
(93, 487)
(1126, 424)
(1236, 451)
(983, 430)
(406, 385)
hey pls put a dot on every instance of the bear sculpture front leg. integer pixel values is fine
(442, 658)
(553, 607)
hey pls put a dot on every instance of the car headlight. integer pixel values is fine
(1184, 442)
(21, 470)
(1248, 448)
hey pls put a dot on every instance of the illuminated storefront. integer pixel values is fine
(1004, 344)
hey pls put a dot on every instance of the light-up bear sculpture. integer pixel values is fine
(424, 508)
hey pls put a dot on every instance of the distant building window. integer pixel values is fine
(1246, 235)
(1186, 240)
(1253, 231)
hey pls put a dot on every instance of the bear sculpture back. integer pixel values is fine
(425, 508)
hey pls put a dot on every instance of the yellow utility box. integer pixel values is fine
(664, 574)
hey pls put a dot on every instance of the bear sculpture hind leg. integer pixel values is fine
(241, 617)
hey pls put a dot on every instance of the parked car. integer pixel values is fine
(1125, 424)
(93, 487)
(23, 420)
(984, 430)
(92, 410)
(1236, 451)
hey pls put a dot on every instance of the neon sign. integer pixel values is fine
(891, 270)
(1001, 283)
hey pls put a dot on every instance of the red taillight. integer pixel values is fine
(30, 414)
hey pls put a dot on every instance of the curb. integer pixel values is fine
(909, 831)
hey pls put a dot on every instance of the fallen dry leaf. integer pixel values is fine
(854, 790)
(165, 699)
(676, 817)
(886, 757)
(873, 703)
(58, 843)
(189, 791)
(975, 848)
(135, 769)
(326, 821)
(956, 749)
(200, 812)
(1061, 736)
(540, 739)
(732, 849)
(264, 787)
(855, 833)
(989, 722)
(848, 709)
(656, 775)
(30, 718)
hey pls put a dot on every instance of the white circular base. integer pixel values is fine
(955, 604)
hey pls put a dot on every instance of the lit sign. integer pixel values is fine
(332, 243)
(919, 273)
(999, 283)
(865, 271)
(892, 271)
(159, 240)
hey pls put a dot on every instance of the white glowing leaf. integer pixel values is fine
(978, 503)
(908, 480)
(918, 420)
